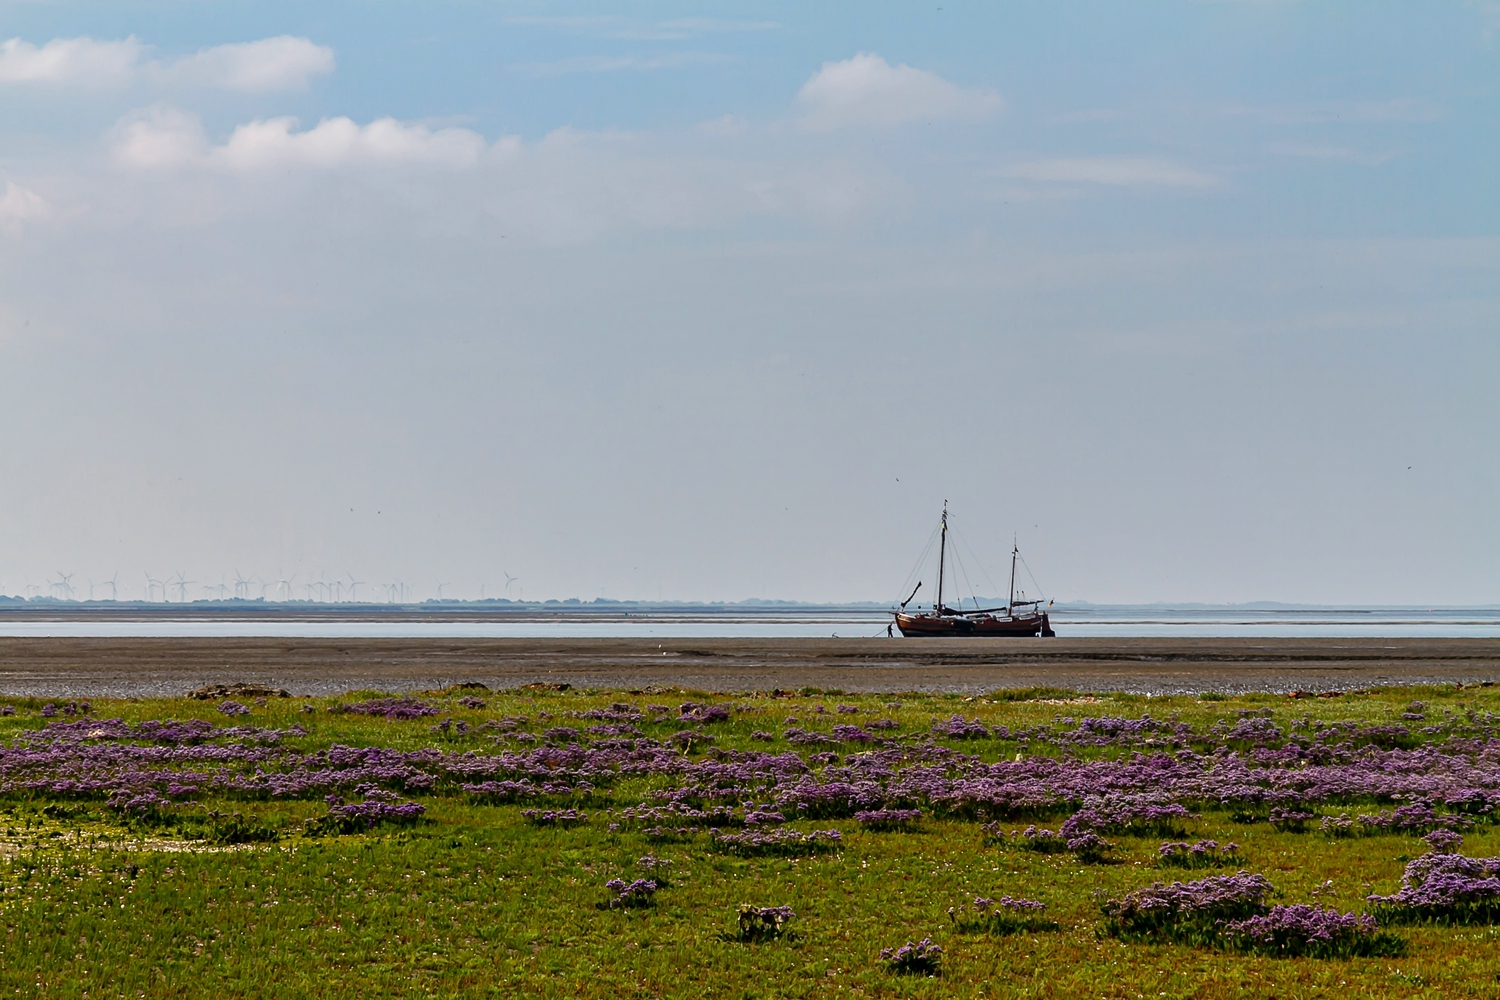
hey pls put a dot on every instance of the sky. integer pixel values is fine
(1194, 301)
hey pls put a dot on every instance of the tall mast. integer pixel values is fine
(942, 553)
(1015, 550)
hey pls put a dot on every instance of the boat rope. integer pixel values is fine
(921, 560)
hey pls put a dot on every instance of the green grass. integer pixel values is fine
(473, 901)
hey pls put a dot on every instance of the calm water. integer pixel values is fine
(1131, 620)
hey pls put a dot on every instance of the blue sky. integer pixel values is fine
(721, 301)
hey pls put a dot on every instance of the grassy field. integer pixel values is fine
(235, 893)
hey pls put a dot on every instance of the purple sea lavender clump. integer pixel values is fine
(1190, 910)
(389, 708)
(779, 841)
(1417, 817)
(1444, 841)
(959, 728)
(883, 724)
(657, 868)
(763, 816)
(761, 736)
(631, 894)
(555, 817)
(1200, 854)
(1121, 812)
(801, 737)
(693, 712)
(847, 709)
(1290, 820)
(233, 708)
(1304, 930)
(471, 702)
(620, 711)
(1337, 826)
(1035, 838)
(1089, 847)
(919, 958)
(377, 806)
(1005, 915)
(49, 710)
(690, 740)
(134, 803)
(762, 923)
(888, 819)
(1444, 888)
(851, 734)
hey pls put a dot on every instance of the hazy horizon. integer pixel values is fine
(1196, 301)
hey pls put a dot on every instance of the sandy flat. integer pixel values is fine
(153, 667)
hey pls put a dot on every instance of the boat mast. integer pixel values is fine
(942, 552)
(1015, 550)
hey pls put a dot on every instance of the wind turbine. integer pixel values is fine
(112, 584)
(64, 586)
(241, 587)
(354, 586)
(508, 580)
(440, 586)
(284, 588)
(181, 583)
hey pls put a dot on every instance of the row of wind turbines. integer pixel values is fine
(336, 590)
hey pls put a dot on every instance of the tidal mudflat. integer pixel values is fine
(632, 842)
(157, 667)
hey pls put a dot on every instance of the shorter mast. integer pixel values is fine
(1010, 605)
(942, 552)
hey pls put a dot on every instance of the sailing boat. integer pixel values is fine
(1026, 618)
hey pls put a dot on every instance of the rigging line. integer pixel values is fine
(1038, 586)
(979, 563)
(921, 560)
(965, 574)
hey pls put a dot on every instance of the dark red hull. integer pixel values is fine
(977, 626)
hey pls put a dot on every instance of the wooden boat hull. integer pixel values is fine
(978, 626)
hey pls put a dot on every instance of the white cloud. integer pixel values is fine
(867, 90)
(70, 60)
(281, 63)
(20, 205)
(168, 138)
(1120, 171)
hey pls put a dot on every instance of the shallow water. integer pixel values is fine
(1098, 621)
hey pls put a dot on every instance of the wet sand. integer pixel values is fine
(155, 667)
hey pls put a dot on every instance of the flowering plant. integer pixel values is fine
(1312, 931)
(762, 923)
(914, 958)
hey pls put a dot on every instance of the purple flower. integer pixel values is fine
(389, 708)
(233, 708)
(555, 817)
(629, 894)
(779, 841)
(762, 923)
(959, 728)
(1186, 909)
(1312, 931)
(1444, 888)
(888, 819)
(920, 958)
